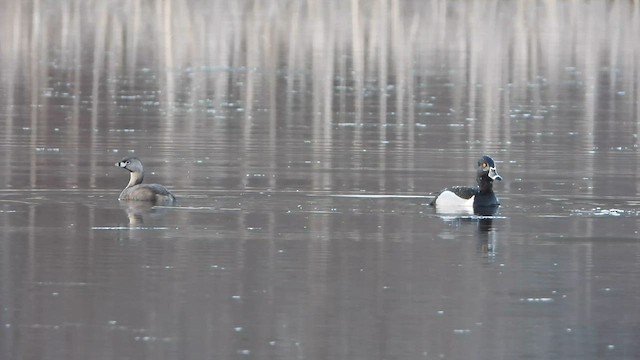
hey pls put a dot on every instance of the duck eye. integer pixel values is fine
(484, 165)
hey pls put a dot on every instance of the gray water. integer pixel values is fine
(304, 141)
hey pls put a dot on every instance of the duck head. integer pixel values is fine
(132, 164)
(487, 170)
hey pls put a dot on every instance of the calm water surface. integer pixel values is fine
(304, 142)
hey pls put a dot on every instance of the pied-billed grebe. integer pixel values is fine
(138, 191)
(480, 198)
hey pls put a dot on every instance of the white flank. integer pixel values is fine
(447, 199)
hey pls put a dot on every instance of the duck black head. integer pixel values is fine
(487, 170)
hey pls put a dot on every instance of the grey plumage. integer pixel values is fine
(136, 190)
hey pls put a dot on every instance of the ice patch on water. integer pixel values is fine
(613, 212)
(153, 339)
(376, 196)
(537, 300)
(473, 217)
(127, 228)
(67, 283)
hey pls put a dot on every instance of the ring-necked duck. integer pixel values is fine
(137, 191)
(481, 198)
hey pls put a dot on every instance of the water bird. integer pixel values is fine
(481, 198)
(138, 191)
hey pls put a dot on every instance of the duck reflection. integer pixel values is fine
(482, 217)
(468, 211)
(137, 211)
(486, 236)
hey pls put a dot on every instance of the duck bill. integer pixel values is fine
(493, 174)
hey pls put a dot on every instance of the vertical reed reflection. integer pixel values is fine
(475, 63)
